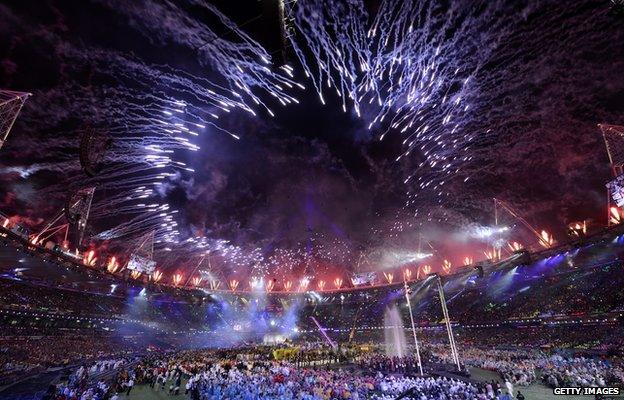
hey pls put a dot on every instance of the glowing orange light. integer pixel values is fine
(493, 255)
(423, 270)
(615, 217)
(112, 266)
(89, 259)
(233, 285)
(177, 278)
(578, 228)
(255, 283)
(269, 285)
(446, 266)
(337, 283)
(214, 284)
(407, 274)
(197, 281)
(389, 276)
(157, 276)
(321, 285)
(515, 246)
(468, 260)
(288, 286)
(135, 274)
(303, 284)
(5, 223)
(546, 240)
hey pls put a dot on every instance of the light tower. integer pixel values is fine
(141, 259)
(613, 136)
(543, 238)
(10, 105)
(76, 212)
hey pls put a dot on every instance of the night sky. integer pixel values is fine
(312, 180)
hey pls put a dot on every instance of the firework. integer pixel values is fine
(338, 283)
(177, 279)
(407, 274)
(156, 276)
(446, 266)
(214, 285)
(149, 114)
(112, 266)
(546, 239)
(303, 284)
(615, 215)
(399, 69)
(492, 255)
(89, 258)
(424, 71)
(515, 246)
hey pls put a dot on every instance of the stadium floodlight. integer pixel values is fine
(484, 232)
(616, 189)
(613, 136)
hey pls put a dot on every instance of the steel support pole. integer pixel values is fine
(449, 328)
(409, 306)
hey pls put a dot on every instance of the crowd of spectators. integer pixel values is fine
(20, 295)
(216, 375)
(515, 366)
(376, 361)
(422, 388)
(555, 368)
(575, 283)
(26, 355)
(581, 336)
(580, 372)
(103, 379)
(527, 292)
(566, 314)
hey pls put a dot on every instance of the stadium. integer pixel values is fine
(311, 200)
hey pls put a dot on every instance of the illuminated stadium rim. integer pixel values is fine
(34, 249)
(574, 320)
